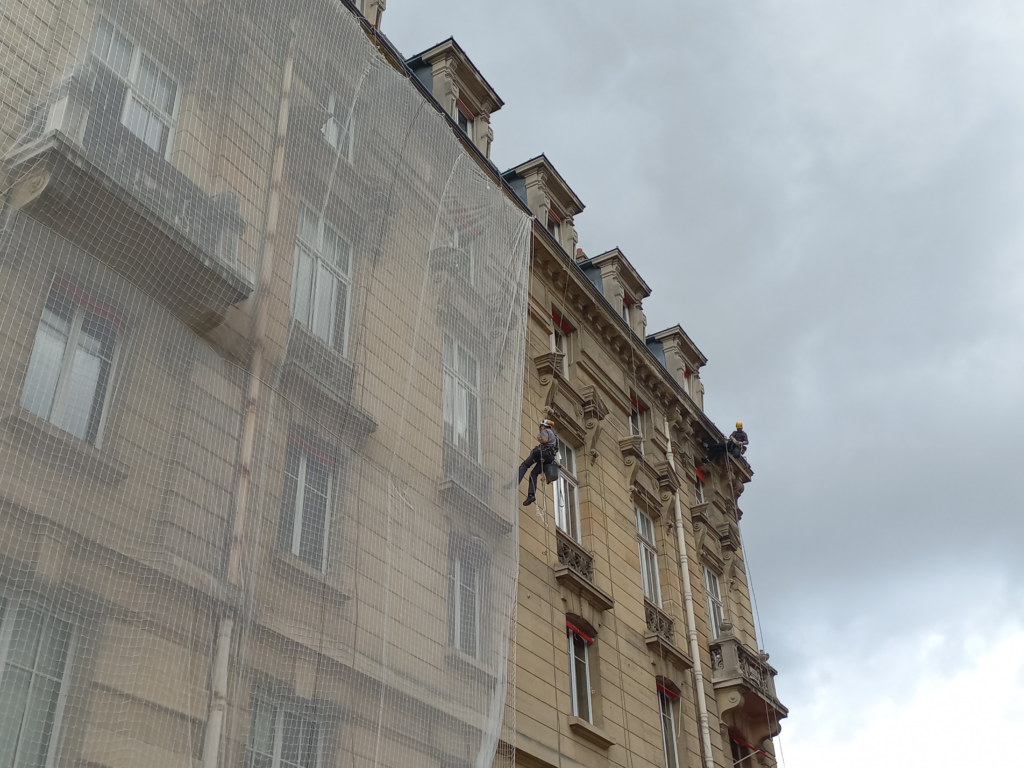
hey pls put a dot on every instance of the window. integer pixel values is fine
(462, 246)
(282, 736)
(35, 647)
(579, 673)
(715, 613)
(698, 489)
(151, 99)
(464, 119)
(648, 557)
(306, 503)
(461, 399)
(627, 307)
(666, 705)
(740, 753)
(567, 505)
(554, 226)
(72, 363)
(561, 345)
(338, 129)
(636, 422)
(464, 603)
(321, 281)
(561, 338)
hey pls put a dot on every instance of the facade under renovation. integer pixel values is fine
(274, 335)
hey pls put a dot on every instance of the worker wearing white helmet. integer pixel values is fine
(544, 453)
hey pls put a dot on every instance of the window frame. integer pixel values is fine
(11, 597)
(636, 422)
(451, 372)
(462, 113)
(650, 574)
(460, 559)
(698, 490)
(130, 77)
(561, 341)
(577, 639)
(307, 452)
(282, 706)
(83, 305)
(463, 240)
(343, 280)
(669, 740)
(713, 592)
(568, 487)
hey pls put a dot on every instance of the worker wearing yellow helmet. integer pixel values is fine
(736, 445)
(540, 459)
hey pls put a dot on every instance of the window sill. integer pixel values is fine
(299, 573)
(468, 665)
(52, 444)
(590, 732)
(576, 582)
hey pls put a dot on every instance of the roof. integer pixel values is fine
(450, 46)
(556, 183)
(634, 281)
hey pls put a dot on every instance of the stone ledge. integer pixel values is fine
(299, 573)
(594, 595)
(659, 646)
(590, 732)
(53, 445)
(468, 665)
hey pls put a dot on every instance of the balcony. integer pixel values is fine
(327, 378)
(660, 637)
(745, 681)
(575, 570)
(78, 171)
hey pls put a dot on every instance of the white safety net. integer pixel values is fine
(261, 348)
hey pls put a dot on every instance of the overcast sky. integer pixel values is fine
(827, 196)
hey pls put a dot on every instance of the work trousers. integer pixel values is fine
(538, 457)
(717, 449)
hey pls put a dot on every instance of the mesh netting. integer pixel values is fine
(261, 348)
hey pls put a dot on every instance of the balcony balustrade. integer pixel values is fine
(744, 679)
(83, 174)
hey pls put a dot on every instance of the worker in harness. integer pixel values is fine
(544, 453)
(736, 445)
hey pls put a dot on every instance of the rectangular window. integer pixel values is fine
(627, 308)
(34, 651)
(461, 399)
(462, 251)
(740, 753)
(579, 674)
(648, 557)
(464, 603)
(282, 735)
(636, 422)
(321, 279)
(554, 226)
(567, 503)
(715, 613)
(561, 341)
(465, 120)
(666, 705)
(337, 130)
(698, 490)
(72, 363)
(306, 503)
(151, 99)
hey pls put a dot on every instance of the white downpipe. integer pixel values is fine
(219, 700)
(691, 624)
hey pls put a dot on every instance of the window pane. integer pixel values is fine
(37, 726)
(314, 513)
(44, 366)
(25, 636)
(336, 250)
(668, 731)
(156, 86)
(302, 288)
(113, 48)
(341, 310)
(473, 426)
(582, 678)
(141, 121)
(468, 607)
(86, 385)
(53, 649)
(261, 733)
(323, 304)
(309, 226)
(14, 689)
(289, 497)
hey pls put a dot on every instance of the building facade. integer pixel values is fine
(266, 305)
(261, 386)
(635, 640)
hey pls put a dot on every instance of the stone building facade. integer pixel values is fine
(265, 307)
(619, 661)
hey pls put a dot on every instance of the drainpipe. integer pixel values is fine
(691, 624)
(222, 656)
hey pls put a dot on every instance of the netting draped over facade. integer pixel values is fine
(261, 349)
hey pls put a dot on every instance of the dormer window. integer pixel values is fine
(464, 119)
(554, 226)
(627, 309)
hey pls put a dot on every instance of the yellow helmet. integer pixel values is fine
(739, 425)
